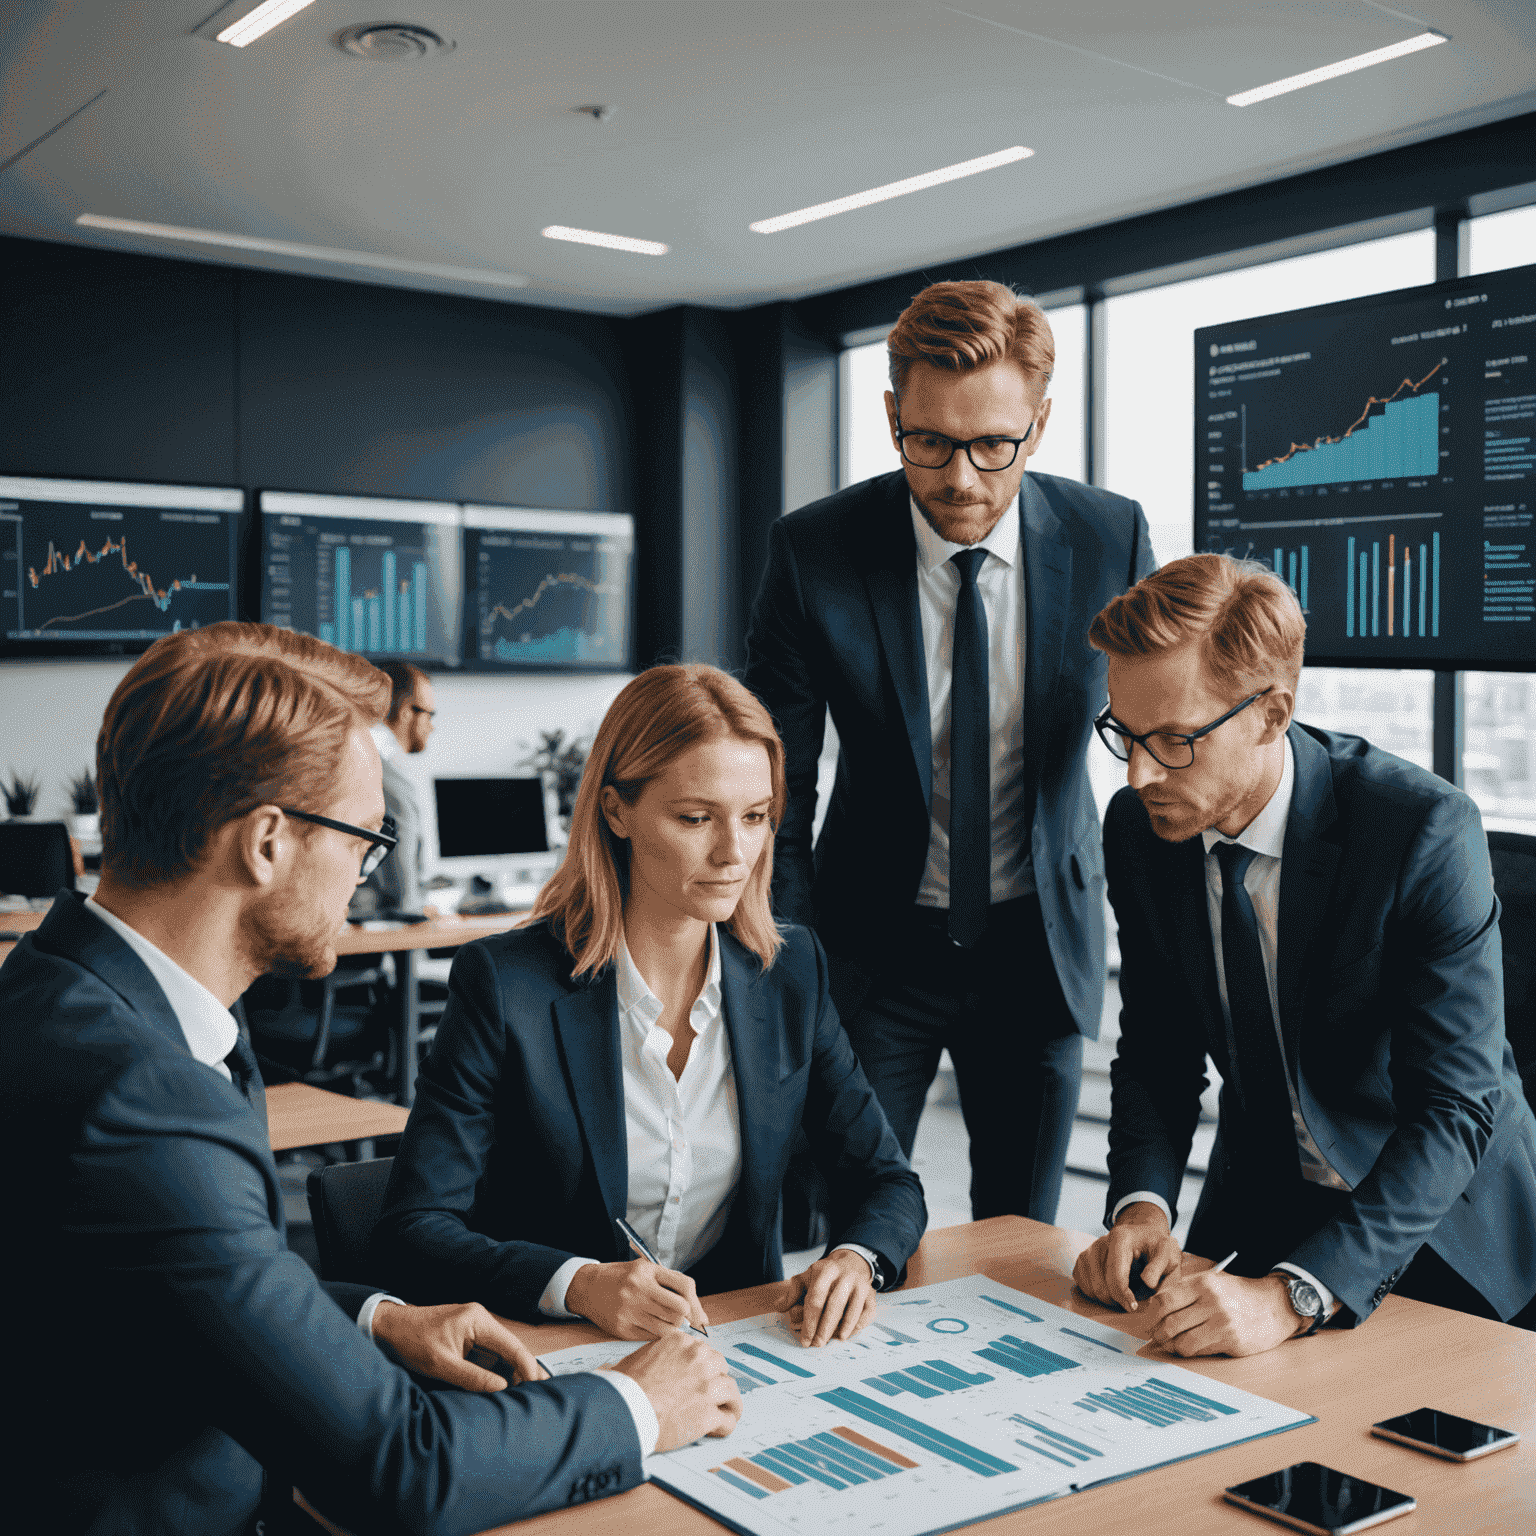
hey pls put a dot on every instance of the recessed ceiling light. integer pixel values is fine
(268, 247)
(257, 23)
(891, 189)
(610, 242)
(1333, 71)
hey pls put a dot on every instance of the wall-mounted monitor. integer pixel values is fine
(1380, 454)
(92, 567)
(383, 578)
(551, 591)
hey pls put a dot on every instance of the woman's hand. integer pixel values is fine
(833, 1299)
(635, 1300)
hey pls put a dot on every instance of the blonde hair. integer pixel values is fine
(659, 716)
(960, 326)
(210, 723)
(1245, 619)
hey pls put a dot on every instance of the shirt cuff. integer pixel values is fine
(647, 1425)
(365, 1317)
(1330, 1301)
(552, 1302)
(1149, 1198)
(872, 1259)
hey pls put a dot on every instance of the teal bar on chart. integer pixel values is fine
(1400, 444)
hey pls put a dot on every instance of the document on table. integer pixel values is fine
(962, 1400)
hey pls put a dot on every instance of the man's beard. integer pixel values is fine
(279, 946)
(932, 519)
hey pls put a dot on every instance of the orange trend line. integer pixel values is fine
(566, 578)
(1320, 442)
(58, 561)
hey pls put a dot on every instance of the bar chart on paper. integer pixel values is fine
(962, 1400)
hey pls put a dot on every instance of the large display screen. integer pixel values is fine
(1380, 454)
(551, 590)
(91, 565)
(384, 578)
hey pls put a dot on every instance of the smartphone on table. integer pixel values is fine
(1315, 1498)
(1445, 1434)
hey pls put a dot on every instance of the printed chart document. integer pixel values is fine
(963, 1400)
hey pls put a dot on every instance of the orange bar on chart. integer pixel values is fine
(756, 1474)
(853, 1437)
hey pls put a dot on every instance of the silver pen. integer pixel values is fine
(637, 1244)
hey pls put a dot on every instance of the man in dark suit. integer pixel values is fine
(176, 1356)
(940, 614)
(1319, 917)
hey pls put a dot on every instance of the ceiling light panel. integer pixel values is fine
(608, 242)
(891, 189)
(1343, 67)
(257, 23)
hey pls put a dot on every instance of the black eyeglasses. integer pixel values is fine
(380, 843)
(1173, 749)
(932, 450)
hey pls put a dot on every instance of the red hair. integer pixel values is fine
(960, 326)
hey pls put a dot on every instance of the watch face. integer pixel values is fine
(1305, 1301)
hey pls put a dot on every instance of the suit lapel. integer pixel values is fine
(588, 1024)
(755, 1051)
(888, 552)
(1048, 594)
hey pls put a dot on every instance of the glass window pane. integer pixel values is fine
(1149, 412)
(1498, 757)
(1499, 240)
(1393, 710)
(1061, 449)
(866, 434)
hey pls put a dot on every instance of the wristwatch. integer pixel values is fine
(1305, 1302)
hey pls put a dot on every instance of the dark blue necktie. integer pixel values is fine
(1267, 1124)
(970, 740)
(243, 1071)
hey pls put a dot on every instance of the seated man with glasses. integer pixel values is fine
(1318, 917)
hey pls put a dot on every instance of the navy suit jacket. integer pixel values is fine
(835, 625)
(515, 1158)
(170, 1346)
(1392, 1014)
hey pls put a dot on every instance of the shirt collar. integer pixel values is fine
(934, 551)
(384, 740)
(638, 1001)
(208, 1026)
(1266, 832)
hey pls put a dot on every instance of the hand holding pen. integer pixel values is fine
(636, 1300)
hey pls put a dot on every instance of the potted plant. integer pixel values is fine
(559, 763)
(85, 823)
(21, 792)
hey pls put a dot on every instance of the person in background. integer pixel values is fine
(241, 796)
(644, 1048)
(1319, 917)
(941, 614)
(395, 886)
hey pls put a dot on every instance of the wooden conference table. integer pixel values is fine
(1408, 1356)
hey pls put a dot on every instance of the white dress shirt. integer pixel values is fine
(1265, 834)
(683, 1135)
(1001, 584)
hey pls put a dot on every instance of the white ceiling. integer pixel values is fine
(727, 111)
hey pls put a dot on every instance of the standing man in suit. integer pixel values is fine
(395, 885)
(240, 797)
(940, 612)
(1319, 917)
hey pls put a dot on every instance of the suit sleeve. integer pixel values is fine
(782, 674)
(424, 1241)
(1445, 1015)
(1143, 561)
(178, 1217)
(1158, 1073)
(877, 1200)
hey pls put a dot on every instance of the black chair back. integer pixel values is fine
(1514, 881)
(35, 858)
(344, 1203)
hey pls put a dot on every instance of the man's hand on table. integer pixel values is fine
(1103, 1268)
(636, 1299)
(1215, 1313)
(434, 1341)
(688, 1386)
(833, 1299)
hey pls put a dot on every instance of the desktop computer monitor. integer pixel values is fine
(496, 828)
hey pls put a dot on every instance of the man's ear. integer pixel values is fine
(1043, 416)
(1279, 708)
(891, 412)
(613, 809)
(258, 845)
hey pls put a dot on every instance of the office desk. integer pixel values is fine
(17, 922)
(301, 1115)
(1408, 1356)
(406, 943)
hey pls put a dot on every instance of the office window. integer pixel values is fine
(866, 437)
(1391, 709)
(1499, 240)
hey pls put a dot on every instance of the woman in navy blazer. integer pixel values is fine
(650, 1009)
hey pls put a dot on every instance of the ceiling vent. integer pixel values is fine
(388, 41)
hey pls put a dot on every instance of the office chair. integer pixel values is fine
(344, 1204)
(1513, 855)
(36, 858)
(307, 1030)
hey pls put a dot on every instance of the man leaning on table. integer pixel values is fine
(181, 1369)
(1319, 917)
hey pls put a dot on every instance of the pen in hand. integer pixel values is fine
(639, 1249)
(1218, 1269)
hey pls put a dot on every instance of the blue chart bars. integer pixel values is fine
(773, 1360)
(1402, 443)
(1054, 1445)
(1300, 572)
(1008, 1306)
(389, 620)
(842, 1459)
(971, 1457)
(1158, 1403)
(1025, 1358)
(932, 1378)
(1371, 582)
